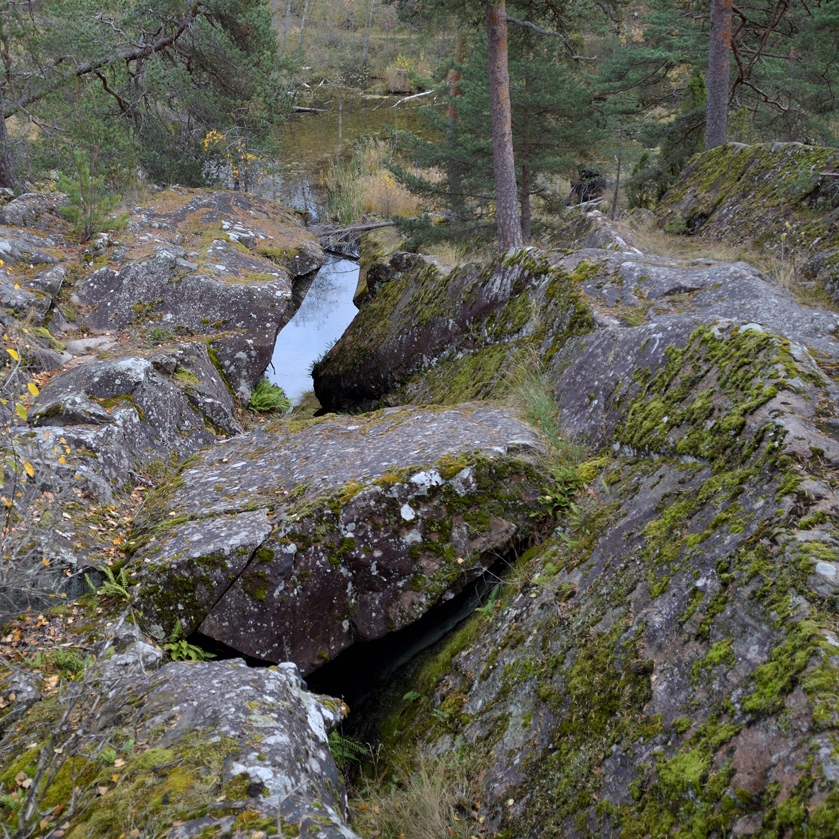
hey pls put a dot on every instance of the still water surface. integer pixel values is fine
(321, 319)
(310, 142)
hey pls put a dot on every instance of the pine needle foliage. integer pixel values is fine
(90, 205)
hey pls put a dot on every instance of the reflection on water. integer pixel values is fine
(319, 322)
(311, 141)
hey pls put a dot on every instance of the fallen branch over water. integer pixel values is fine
(415, 96)
(325, 231)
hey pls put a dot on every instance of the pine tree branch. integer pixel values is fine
(568, 45)
(137, 53)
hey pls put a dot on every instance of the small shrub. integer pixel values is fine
(268, 398)
(677, 226)
(90, 205)
(159, 335)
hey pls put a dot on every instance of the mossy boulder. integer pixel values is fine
(665, 664)
(193, 749)
(295, 543)
(431, 335)
(780, 198)
(224, 265)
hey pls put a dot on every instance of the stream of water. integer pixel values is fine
(310, 141)
(324, 314)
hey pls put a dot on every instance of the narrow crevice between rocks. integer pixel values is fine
(362, 668)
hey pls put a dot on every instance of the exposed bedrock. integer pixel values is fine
(667, 662)
(140, 344)
(778, 198)
(223, 265)
(292, 543)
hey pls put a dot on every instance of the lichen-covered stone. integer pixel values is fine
(427, 336)
(203, 749)
(131, 411)
(294, 543)
(666, 663)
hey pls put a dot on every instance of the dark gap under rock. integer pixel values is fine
(362, 668)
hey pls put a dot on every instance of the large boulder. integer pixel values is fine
(193, 749)
(464, 325)
(295, 543)
(666, 662)
(221, 264)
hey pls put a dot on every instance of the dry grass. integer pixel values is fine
(425, 799)
(456, 253)
(530, 393)
(396, 79)
(364, 186)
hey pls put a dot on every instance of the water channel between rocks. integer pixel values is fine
(324, 314)
(310, 141)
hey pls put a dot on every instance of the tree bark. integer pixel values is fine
(367, 30)
(503, 160)
(302, 27)
(286, 20)
(716, 79)
(619, 159)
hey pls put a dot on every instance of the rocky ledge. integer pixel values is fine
(294, 543)
(665, 664)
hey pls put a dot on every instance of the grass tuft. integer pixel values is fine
(425, 799)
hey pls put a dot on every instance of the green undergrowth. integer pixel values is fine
(269, 398)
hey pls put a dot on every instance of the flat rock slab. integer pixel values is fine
(294, 543)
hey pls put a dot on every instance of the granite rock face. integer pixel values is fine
(297, 543)
(148, 340)
(666, 662)
(216, 264)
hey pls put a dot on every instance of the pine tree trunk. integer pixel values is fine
(367, 33)
(302, 27)
(8, 173)
(503, 161)
(716, 80)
